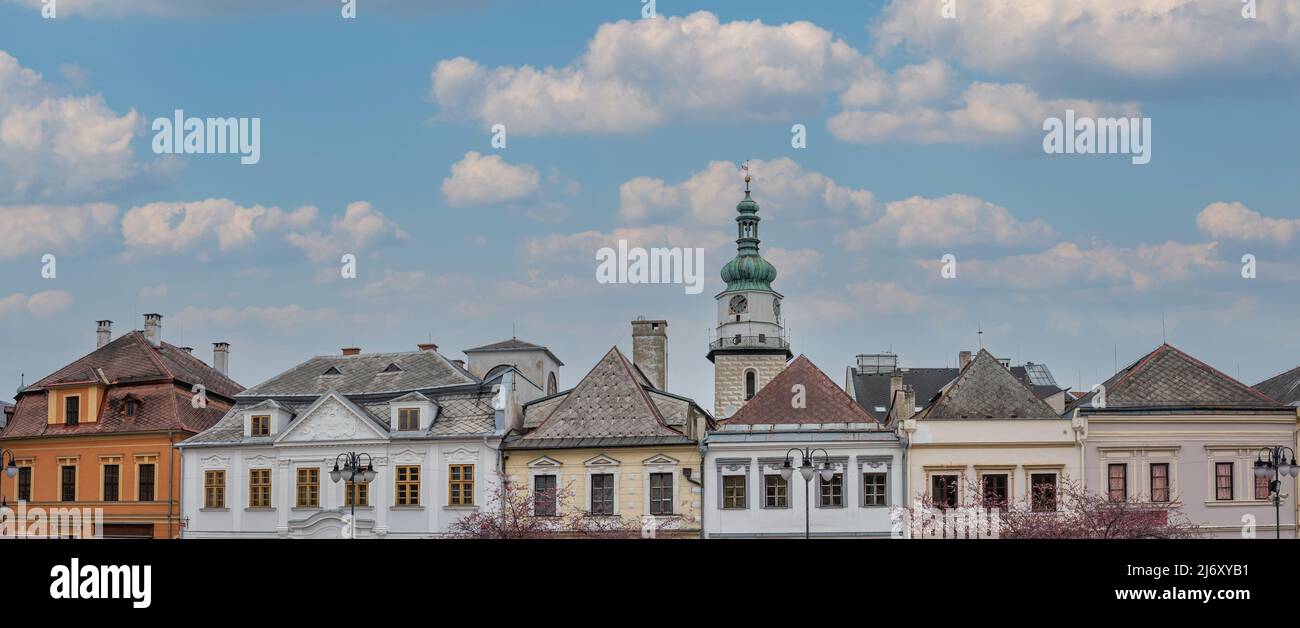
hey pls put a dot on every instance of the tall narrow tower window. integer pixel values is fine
(750, 385)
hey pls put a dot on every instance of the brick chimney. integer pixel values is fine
(650, 350)
(221, 357)
(963, 358)
(427, 346)
(103, 333)
(153, 329)
(351, 350)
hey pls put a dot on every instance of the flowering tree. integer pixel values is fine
(512, 513)
(1067, 511)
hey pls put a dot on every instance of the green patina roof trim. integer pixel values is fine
(748, 271)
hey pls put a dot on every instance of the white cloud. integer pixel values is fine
(984, 113)
(582, 246)
(284, 318)
(360, 226)
(487, 179)
(956, 219)
(1129, 42)
(709, 197)
(865, 298)
(173, 227)
(46, 228)
(1234, 221)
(155, 292)
(54, 146)
(1067, 265)
(40, 304)
(198, 8)
(636, 74)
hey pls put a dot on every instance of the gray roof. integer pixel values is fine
(985, 389)
(513, 344)
(871, 390)
(363, 374)
(1284, 387)
(1169, 379)
(614, 405)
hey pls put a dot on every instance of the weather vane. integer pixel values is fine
(745, 167)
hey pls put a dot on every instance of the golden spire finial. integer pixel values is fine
(745, 167)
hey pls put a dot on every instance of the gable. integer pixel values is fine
(332, 418)
(1170, 378)
(608, 402)
(985, 389)
(801, 393)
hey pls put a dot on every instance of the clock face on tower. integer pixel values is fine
(739, 304)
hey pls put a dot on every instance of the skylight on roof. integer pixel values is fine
(1039, 375)
(333, 370)
(392, 368)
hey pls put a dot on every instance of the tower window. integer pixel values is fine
(750, 385)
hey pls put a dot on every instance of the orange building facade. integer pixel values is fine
(100, 433)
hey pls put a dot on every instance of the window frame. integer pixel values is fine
(116, 486)
(307, 491)
(1232, 479)
(63, 481)
(951, 488)
(1005, 501)
(784, 492)
(1034, 503)
(67, 401)
(24, 469)
(257, 488)
(665, 497)
(152, 463)
(466, 486)
(823, 495)
(607, 488)
(351, 489)
(259, 425)
(214, 485)
(553, 502)
(407, 480)
(733, 499)
(404, 416)
(1151, 478)
(1112, 487)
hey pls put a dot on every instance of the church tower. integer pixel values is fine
(750, 348)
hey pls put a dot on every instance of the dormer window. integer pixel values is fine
(392, 368)
(408, 419)
(333, 370)
(260, 425)
(72, 410)
(132, 407)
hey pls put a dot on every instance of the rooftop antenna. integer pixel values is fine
(980, 332)
(1115, 356)
(513, 332)
(1162, 328)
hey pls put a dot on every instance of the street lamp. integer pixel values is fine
(1276, 461)
(807, 470)
(11, 471)
(353, 471)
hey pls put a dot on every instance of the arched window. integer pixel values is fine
(751, 384)
(552, 386)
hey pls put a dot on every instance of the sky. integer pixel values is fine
(923, 137)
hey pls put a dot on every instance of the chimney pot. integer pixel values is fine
(460, 363)
(103, 333)
(221, 357)
(153, 329)
(189, 350)
(963, 358)
(351, 350)
(650, 350)
(427, 346)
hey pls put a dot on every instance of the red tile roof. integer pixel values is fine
(160, 379)
(824, 401)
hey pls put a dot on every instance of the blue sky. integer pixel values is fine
(924, 138)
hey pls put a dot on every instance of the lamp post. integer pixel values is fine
(1277, 461)
(807, 470)
(11, 470)
(353, 471)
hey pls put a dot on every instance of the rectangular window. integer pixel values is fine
(776, 491)
(72, 410)
(408, 485)
(214, 489)
(1042, 489)
(24, 484)
(308, 488)
(874, 491)
(602, 494)
(145, 483)
(460, 485)
(1117, 482)
(261, 425)
(259, 488)
(1223, 481)
(943, 490)
(544, 495)
(408, 419)
(996, 493)
(1262, 486)
(68, 483)
(733, 491)
(1160, 482)
(832, 492)
(360, 492)
(661, 493)
(112, 482)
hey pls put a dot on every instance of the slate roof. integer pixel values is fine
(1283, 387)
(614, 405)
(985, 389)
(364, 374)
(824, 402)
(159, 378)
(512, 344)
(1167, 379)
(871, 390)
(465, 405)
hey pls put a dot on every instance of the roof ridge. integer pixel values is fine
(654, 410)
(1230, 378)
(151, 351)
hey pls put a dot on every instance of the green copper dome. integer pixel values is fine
(748, 271)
